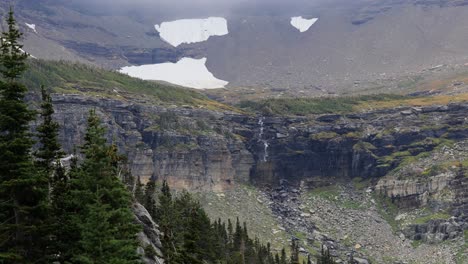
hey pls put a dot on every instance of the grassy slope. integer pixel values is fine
(244, 202)
(66, 77)
(306, 106)
(341, 105)
(444, 89)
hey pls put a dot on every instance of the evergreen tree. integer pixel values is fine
(230, 233)
(139, 193)
(189, 237)
(49, 150)
(325, 257)
(197, 244)
(165, 217)
(48, 162)
(149, 201)
(103, 242)
(277, 259)
(238, 236)
(58, 194)
(12, 57)
(98, 204)
(129, 180)
(294, 251)
(22, 232)
(283, 257)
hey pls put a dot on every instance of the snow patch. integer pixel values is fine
(186, 72)
(302, 24)
(32, 26)
(22, 50)
(192, 30)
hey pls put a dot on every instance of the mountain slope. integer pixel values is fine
(76, 78)
(380, 176)
(352, 46)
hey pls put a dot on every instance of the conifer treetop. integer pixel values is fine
(13, 58)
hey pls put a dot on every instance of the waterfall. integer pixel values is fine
(264, 141)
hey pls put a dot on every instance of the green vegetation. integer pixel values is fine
(387, 210)
(330, 193)
(308, 106)
(354, 135)
(95, 206)
(48, 132)
(190, 237)
(393, 159)
(68, 77)
(72, 77)
(326, 258)
(463, 251)
(46, 214)
(364, 146)
(170, 121)
(434, 216)
(243, 201)
(410, 82)
(360, 184)
(414, 152)
(324, 135)
(416, 243)
(23, 218)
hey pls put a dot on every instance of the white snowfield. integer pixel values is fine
(192, 30)
(32, 26)
(302, 24)
(186, 72)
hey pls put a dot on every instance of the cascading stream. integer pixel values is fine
(262, 140)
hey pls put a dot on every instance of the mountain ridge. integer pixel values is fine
(394, 39)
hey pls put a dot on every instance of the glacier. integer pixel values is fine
(302, 24)
(192, 30)
(186, 72)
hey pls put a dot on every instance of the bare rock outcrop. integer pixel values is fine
(150, 245)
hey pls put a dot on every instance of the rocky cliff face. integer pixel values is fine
(190, 148)
(413, 156)
(198, 148)
(150, 245)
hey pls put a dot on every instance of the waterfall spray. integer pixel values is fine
(264, 141)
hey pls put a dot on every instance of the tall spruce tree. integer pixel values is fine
(49, 151)
(23, 190)
(325, 257)
(149, 197)
(99, 223)
(109, 202)
(166, 218)
(294, 251)
(138, 192)
(283, 257)
(48, 162)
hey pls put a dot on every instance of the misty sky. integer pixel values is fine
(198, 7)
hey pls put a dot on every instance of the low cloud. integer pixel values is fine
(194, 7)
